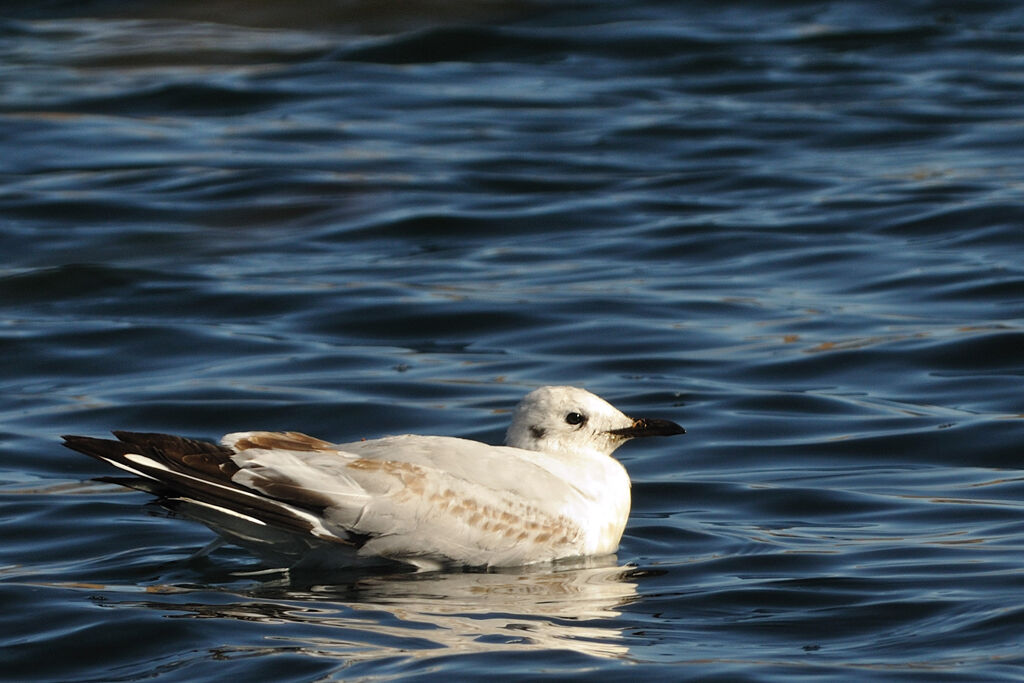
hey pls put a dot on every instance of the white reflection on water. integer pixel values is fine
(430, 615)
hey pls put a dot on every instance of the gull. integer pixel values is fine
(552, 491)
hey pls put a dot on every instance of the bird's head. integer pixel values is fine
(572, 420)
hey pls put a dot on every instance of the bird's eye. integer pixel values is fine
(575, 418)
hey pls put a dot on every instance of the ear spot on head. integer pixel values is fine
(537, 432)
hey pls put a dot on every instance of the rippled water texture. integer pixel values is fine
(793, 227)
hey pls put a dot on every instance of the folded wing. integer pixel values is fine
(415, 499)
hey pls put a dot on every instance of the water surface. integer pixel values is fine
(794, 228)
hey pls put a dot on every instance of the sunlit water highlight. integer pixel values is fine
(793, 228)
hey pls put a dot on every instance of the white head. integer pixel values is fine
(572, 420)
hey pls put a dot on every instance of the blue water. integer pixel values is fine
(796, 228)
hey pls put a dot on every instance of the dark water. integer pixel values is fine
(797, 228)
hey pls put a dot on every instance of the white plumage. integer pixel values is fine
(552, 492)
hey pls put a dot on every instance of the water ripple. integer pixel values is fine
(793, 228)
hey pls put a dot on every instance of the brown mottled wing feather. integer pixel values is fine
(286, 441)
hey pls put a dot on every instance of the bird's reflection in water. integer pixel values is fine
(566, 606)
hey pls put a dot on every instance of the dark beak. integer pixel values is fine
(643, 426)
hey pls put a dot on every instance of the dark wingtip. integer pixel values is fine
(102, 449)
